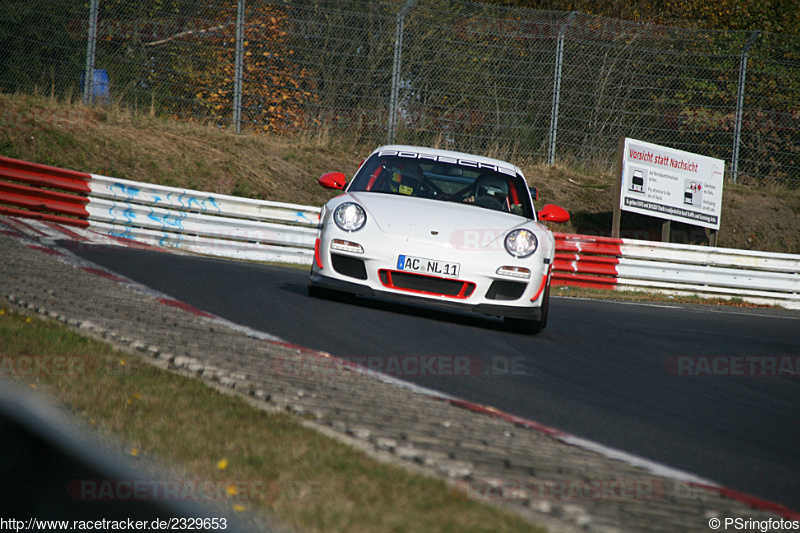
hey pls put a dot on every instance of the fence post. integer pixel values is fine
(237, 81)
(737, 133)
(398, 58)
(91, 43)
(551, 148)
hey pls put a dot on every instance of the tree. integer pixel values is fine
(275, 89)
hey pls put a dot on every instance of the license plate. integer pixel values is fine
(428, 266)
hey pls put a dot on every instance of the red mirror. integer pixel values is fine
(553, 213)
(333, 180)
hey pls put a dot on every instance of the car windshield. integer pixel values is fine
(445, 179)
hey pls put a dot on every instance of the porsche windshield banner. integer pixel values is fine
(671, 184)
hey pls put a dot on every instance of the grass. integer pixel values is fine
(315, 483)
(118, 142)
(653, 297)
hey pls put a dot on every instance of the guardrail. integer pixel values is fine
(192, 221)
(242, 228)
(628, 264)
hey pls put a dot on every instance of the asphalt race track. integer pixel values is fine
(619, 374)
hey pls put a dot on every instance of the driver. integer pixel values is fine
(490, 191)
(406, 177)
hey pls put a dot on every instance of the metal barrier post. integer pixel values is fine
(398, 59)
(551, 148)
(237, 83)
(91, 43)
(739, 104)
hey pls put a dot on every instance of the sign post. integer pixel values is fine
(669, 184)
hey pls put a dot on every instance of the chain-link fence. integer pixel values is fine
(515, 83)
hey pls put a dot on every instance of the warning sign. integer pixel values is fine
(671, 184)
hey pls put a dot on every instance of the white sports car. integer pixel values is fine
(440, 228)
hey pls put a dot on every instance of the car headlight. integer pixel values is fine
(521, 243)
(350, 216)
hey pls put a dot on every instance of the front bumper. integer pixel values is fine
(358, 289)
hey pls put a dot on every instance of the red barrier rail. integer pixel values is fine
(43, 192)
(586, 261)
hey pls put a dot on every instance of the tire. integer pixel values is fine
(531, 327)
(546, 304)
(324, 293)
(320, 292)
(521, 325)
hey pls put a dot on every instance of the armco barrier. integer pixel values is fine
(602, 262)
(192, 221)
(242, 228)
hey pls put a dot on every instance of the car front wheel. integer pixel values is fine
(531, 327)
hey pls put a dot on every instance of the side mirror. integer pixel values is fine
(333, 180)
(553, 213)
(534, 193)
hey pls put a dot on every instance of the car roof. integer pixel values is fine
(402, 148)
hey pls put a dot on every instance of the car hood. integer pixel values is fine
(421, 219)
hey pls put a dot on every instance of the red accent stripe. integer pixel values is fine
(586, 261)
(513, 191)
(541, 288)
(317, 257)
(587, 247)
(588, 244)
(44, 175)
(10, 211)
(44, 249)
(372, 178)
(595, 258)
(29, 186)
(477, 408)
(101, 273)
(466, 286)
(586, 265)
(185, 307)
(38, 192)
(42, 203)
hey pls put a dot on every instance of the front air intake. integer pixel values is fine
(421, 283)
(349, 266)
